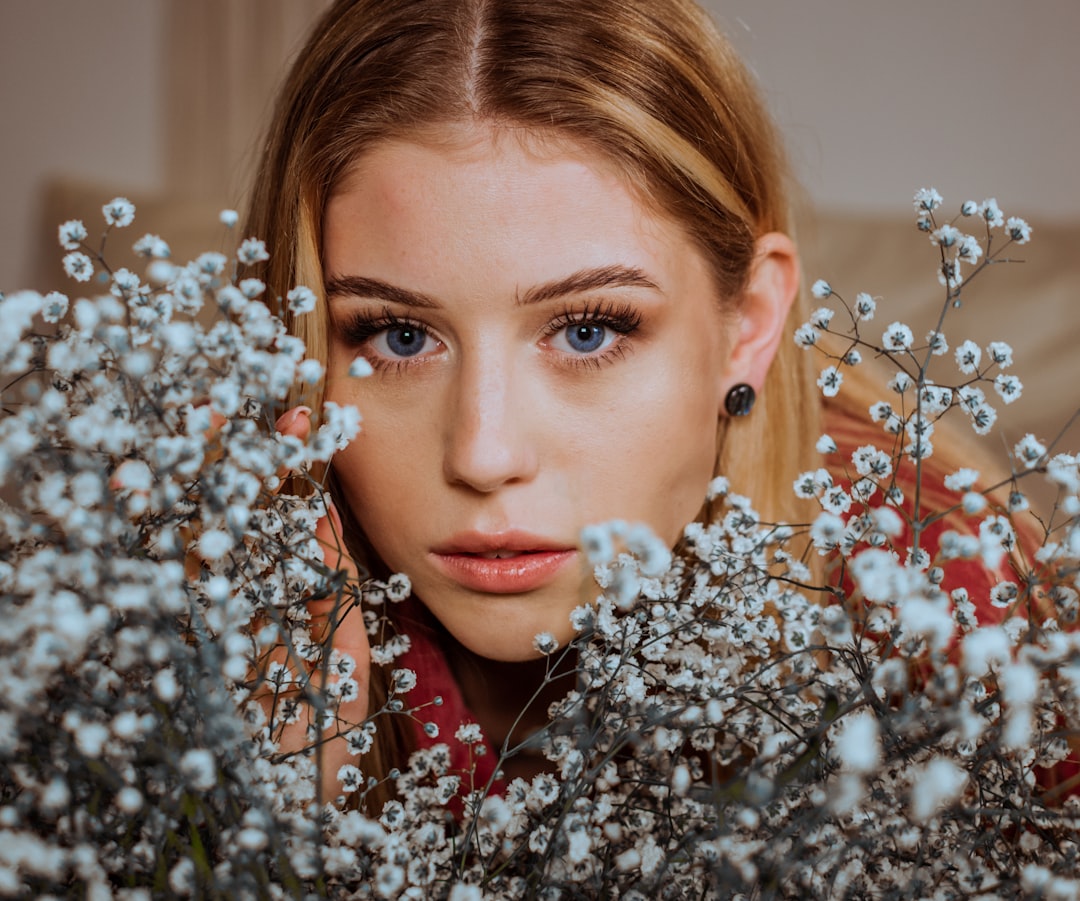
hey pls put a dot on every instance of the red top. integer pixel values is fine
(435, 678)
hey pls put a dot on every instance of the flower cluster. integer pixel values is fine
(765, 710)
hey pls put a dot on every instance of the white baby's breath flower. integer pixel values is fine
(125, 283)
(1018, 230)
(897, 337)
(968, 250)
(901, 382)
(934, 786)
(927, 200)
(996, 538)
(962, 480)
(251, 287)
(968, 357)
(469, 734)
(718, 487)
(969, 208)
(984, 650)
(360, 368)
(806, 335)
(826, 532)
(857, 744)
(151, 246)
(973, 503)
(950, 274)
(252, 250)
(119, 212)
(1000, 353)
(129, 800)
(881, 411)
(935, 399)
(821, 317)
(825, 445)
(228, 218)
(1029, 451)
(830, 380)
(199, 768)
(597, 543)
(865, 306)
(991, 212)
(945, 236)
(309, 371)
(887, 521)
(937, 343)
(350, 777)
(403, 680)
(54, 306)
(821, 289)
(182, 878)
(1018, 502)
(1009, 387)
(983, 417)
(211, 263)
(72, 233)
(398, 588)
(301, 299)
(545, 643)
(78, 266)
(214, 544)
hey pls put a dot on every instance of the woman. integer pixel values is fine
(558, 232)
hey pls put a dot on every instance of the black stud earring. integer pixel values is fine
(740, 399)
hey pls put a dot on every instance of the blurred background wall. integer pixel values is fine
(162, 100)
(976, 97)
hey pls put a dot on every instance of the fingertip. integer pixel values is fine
(296, 421)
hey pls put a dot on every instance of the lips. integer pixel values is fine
(511, 562)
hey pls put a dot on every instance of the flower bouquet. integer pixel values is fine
(826, 709)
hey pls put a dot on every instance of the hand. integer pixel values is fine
(337, 625)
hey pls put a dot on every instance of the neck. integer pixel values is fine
(510, 700)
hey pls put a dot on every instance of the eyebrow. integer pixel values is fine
(614, 276)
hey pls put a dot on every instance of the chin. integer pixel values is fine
(507, 636)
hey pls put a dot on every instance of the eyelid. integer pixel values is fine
(360, 328)
(622, 318)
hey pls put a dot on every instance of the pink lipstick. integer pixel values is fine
(511, 562)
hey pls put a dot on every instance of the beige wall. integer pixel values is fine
(80, 95)
(976, 97)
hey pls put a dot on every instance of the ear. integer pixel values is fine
(762, 314)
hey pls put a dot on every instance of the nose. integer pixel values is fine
(489, 426)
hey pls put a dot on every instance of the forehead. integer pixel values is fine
(505, 198)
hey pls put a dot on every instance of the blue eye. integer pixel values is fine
(585, 338)
(405, 340)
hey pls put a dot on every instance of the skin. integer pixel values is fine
(500, 422)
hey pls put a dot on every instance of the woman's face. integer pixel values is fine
(548, 352)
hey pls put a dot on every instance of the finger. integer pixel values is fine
(295, 422)
(330, 535)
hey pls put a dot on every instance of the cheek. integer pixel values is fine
(677, 456)
(385, 472)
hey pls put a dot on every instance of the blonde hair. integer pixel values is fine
(650, 85)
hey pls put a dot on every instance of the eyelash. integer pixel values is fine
(362, 327)
(623, 319)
